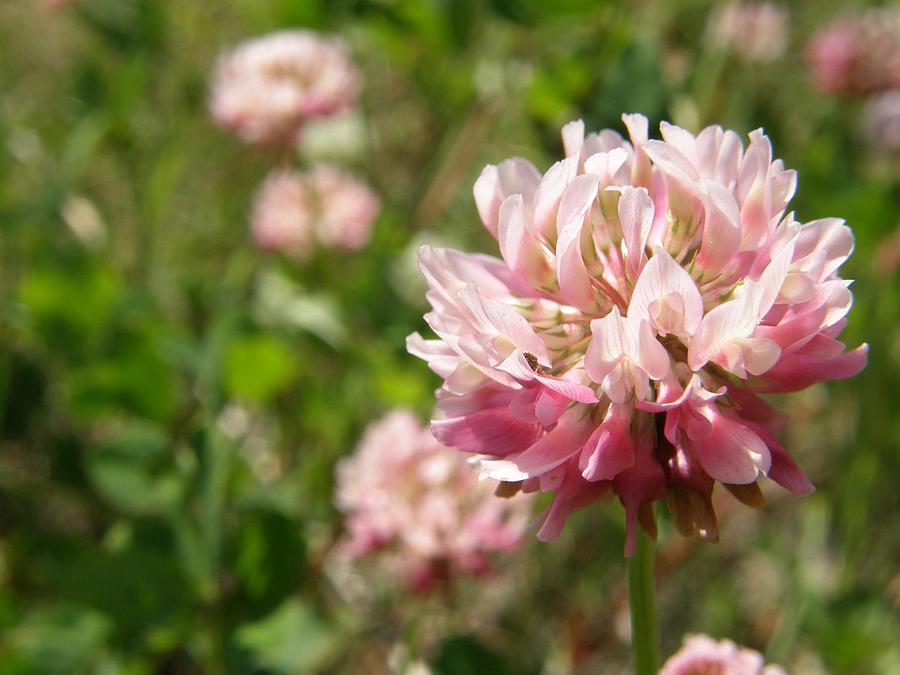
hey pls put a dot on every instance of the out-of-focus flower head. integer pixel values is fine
(265, 89)
(648, 292)
(283, 216)
(347, 208)
(755, 31)
(881, 121)
(701, 655)
(419, 508)
(857, 53)
(293, 209)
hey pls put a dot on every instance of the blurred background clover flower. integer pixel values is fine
(701, 655)
(266, 88)
(294, 210)
(419, 510)
(857, 53)
(755, 31)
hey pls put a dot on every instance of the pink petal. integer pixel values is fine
(506, 322)
(560, 443)
(636, 217)
(784, 469)
(496, 183)
(752, 408)
(521, 251)
(548, 196)
(682, 140)
(638, 133)
(573, 494)
(758, 355)
(731, 453)
(447, 271)
(684, 199)
(735, 319)
(575, 283)
(573, 137)
(802, 370)
(577, 200)
(755, 194)
(651, 356)
(494, 431)
(667, 297)
(605, 165)
(644, 481)
(773, 277)
(610, 449)
(549, 406)
(829, 236)
(611, 340)
(721, 229)
(788, 334)
(441, 358)
(571, 390)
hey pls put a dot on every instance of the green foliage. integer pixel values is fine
(465, 655)
(258, 367)
(291, 640)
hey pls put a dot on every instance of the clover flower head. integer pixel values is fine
(294, 210)
(266, 88)
(701, 655)
(283, 216)
(647, 293)
(347, 208)
(419, 508)
(857, 53)
(755, 31)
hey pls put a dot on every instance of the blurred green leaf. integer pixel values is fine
(58, 640)
(280, 302)
(70, 307)
(270, 557)
(134, 471)
(466, 655)
(137, 381)
(293, 640)
(257, 367)
(139, 589)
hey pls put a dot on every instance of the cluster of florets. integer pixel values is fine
(420, 508)
(857, 53)
(294, 210)
(648, 292)
(701, 655)
(265, 89)
(755, 31)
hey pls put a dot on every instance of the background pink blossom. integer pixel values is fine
(701, 655)
(264, 89)
(295, 210)
(283, 216)
(347, 208)
(420, 506)
(756, 31)
(857, 53)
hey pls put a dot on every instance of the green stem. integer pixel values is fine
(642, 601)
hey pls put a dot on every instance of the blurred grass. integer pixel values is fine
(168, 440)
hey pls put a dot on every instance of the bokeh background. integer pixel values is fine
(173, 401)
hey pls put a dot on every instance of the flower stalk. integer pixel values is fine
(642, 603)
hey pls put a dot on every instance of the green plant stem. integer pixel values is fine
(642, 602)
